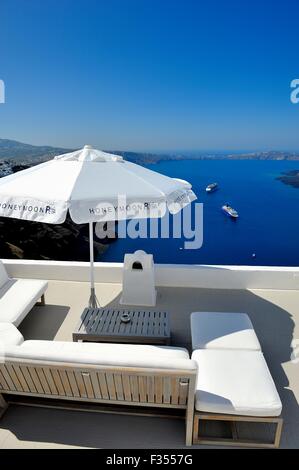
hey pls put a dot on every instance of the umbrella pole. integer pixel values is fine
(93, 301)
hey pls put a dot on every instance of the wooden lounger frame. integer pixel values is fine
(42, 301)
(146, 387)
(234, 440)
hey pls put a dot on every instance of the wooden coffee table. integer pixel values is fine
(106, 325)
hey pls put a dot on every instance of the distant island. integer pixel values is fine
(290, 178)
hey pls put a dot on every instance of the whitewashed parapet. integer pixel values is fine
(167, 275)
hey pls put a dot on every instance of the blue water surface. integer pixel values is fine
(268, 225)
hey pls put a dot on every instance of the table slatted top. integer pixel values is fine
(104, 324)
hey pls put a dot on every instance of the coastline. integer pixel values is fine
(290, 178)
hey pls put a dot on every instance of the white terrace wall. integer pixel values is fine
(171, 275)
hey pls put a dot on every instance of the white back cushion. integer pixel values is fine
(3, 275)
(122, 355)
(223, 330)
(9, 335)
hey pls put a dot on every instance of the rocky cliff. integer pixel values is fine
(34, 240)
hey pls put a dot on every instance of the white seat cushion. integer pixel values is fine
(124, 355)
(223, 330)
(3, 275)
(235, 383)
(10, 335)
(17, 298)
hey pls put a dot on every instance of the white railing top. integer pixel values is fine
(168, 275)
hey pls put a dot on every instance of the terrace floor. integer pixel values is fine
(275, 316)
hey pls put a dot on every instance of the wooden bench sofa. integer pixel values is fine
(118, 374)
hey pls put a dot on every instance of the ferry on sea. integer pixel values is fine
(211, 187)
(230, 211)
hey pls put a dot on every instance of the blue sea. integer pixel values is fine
(269, 216)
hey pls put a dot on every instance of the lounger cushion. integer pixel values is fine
(3, 275)
(9, 335)
(235, 383)
(223, 330)
(18, 296)
(129, 355)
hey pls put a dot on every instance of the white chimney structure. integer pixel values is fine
(139, 280)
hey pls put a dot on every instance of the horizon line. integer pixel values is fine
(168, 151)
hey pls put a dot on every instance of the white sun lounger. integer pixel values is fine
(234, 383)
(18, 296)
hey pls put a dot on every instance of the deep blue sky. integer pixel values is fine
(150, 74)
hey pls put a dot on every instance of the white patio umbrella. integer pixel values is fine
(93, 186)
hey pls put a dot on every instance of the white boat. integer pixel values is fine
(211, 187)
(228, 210)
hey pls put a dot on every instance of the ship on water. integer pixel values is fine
(211, 187)
(228, 210)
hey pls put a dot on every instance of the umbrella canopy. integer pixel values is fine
(94, 186)
(89, 183)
